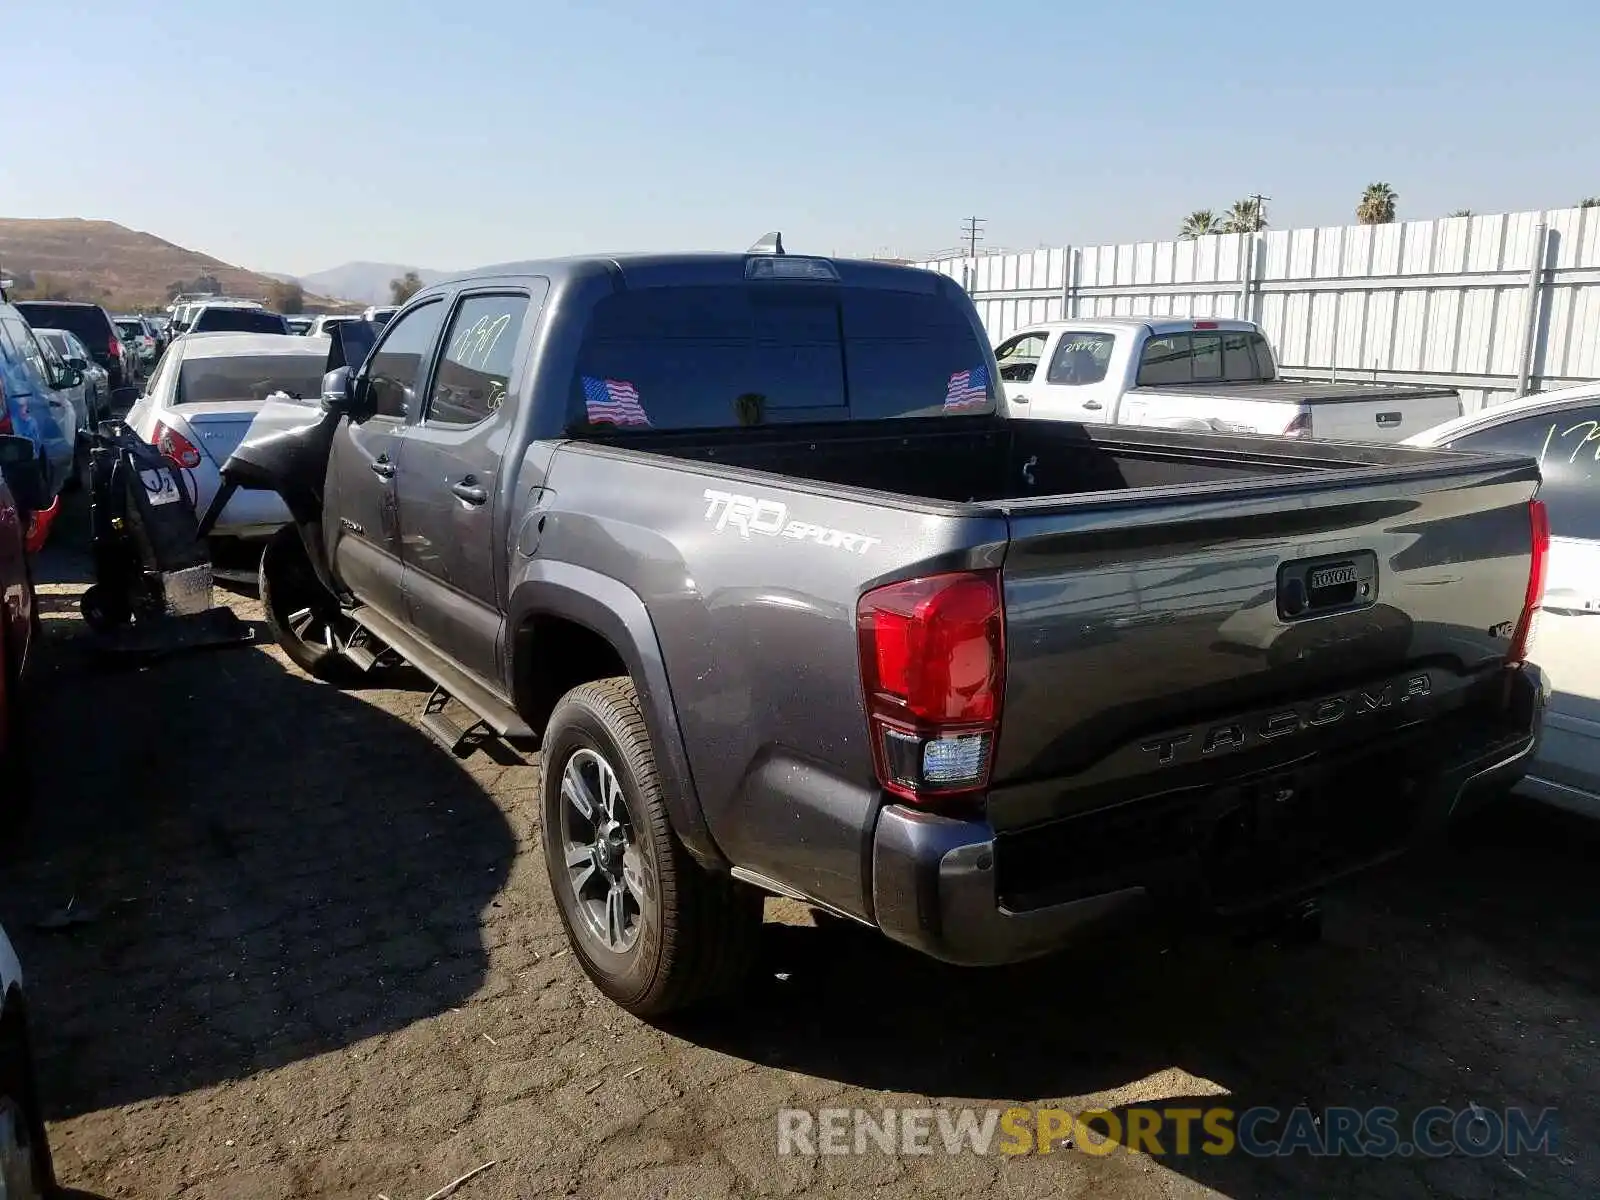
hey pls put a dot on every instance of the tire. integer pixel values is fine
(26, 1171)
(302, 614)
(693, 933)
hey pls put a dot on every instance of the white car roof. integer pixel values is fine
(1529, 405)
(1156, 325)
(227, 345)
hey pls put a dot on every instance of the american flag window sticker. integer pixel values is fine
(967, 389)
(612, 402)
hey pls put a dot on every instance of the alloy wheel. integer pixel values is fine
(600, 848)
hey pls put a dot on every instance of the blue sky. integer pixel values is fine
(293, 137)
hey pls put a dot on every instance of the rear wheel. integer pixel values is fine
(654, 930)
(304, 616)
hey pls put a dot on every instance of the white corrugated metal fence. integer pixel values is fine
(1489, 304)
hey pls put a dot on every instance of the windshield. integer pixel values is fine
(54, 339)
(130, 329)
(248, 377)
(698, 357)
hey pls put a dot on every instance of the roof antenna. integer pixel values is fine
(771, 244)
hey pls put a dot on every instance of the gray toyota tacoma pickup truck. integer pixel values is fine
(744, 544)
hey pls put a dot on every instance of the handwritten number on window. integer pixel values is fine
(1591, 433)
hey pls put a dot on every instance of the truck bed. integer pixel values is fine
(1142, 573)
(982, 463)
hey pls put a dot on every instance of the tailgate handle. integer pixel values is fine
(1389, 420)
(1314, 587)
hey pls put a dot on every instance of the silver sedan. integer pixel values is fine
(203, 398)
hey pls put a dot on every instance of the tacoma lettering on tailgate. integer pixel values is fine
(770, 518)
(1269, 726)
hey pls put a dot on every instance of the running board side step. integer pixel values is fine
(445, 731)
(449, 680)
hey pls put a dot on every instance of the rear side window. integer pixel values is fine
(1205, 356)
(239, 320)
(475, 368)
(1567, 445)
(1081, 358)
(721, 355)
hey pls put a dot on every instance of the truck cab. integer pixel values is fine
(1207, 375)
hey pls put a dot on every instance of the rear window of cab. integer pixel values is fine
(719, 355)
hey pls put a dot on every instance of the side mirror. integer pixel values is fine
(341, 392)
(77, 364)
(69, 377)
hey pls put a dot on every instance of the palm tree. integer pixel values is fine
(1244, 216)
(1462, 212)
(1199, 223)
(1377, 204)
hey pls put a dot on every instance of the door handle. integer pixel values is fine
(469, 491)
(382, 467)
(1389, 420)
(1018, 399)
(1094, 404)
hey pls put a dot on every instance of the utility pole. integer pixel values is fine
(972, 233)
(1261, 210)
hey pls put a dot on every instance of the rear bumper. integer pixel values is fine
(940, 884)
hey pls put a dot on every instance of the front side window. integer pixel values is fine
(1018, 357)
(475, 368)
(1567, 446)
(397, 366)
(1081, 358)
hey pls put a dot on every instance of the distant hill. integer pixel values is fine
(365, 282)
(72, 259)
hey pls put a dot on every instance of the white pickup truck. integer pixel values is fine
(1187, 373)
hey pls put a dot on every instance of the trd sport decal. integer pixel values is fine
(770, 518)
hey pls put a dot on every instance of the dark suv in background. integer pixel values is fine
(94, 328)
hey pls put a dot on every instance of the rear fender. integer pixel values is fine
(616, 613)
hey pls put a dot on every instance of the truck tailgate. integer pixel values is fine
(1146, 632)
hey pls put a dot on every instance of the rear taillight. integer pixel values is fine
(114, 348)
(175, 446)
(1300, 427)
(1539, 524)
(933, 671)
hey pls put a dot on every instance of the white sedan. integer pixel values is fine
(202, 399)
(1562, 430)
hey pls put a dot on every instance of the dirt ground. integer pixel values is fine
(309, 955)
